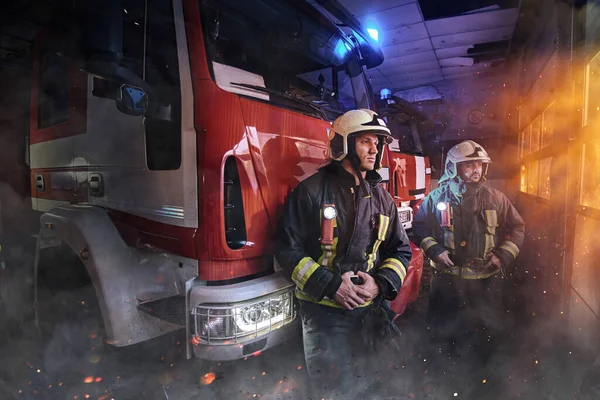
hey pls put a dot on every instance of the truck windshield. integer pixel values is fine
(290, 47)
(408, 140)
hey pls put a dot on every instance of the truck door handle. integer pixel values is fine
(40, 185)
(95, 185)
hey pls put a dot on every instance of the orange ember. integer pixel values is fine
(89, 379)
(207, 379)
(98, 379)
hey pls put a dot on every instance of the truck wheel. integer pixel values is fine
(71, 323)
(69, 319)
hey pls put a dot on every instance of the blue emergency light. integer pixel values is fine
(374, 33)
(385, 93)
(372, 29)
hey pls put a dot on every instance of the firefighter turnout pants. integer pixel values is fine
(466, 315)
(337, 343)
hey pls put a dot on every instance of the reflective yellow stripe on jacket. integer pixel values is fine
(449, 239)
(325, 302)
(512, 248)
(427, 243)
(491, 220)
(396, 266)
(303, 271)
(464, 272)
(449, 233)
(384, 224)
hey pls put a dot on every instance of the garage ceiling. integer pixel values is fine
(423, 41)
(421, 48)
(20, 22)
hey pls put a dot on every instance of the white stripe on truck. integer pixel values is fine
(420, 163)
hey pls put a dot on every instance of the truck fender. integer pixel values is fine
(124, 278)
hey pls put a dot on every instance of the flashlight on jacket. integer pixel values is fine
(328, 223)
(446, 214)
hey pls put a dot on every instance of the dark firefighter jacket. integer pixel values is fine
(482, 220)
(368, 235)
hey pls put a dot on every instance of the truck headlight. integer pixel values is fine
(261, 315)
(234, 323)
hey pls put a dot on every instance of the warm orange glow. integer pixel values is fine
(98, 379)
(207, 379)
(89, 379)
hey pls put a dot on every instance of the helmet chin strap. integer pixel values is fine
(355, 162)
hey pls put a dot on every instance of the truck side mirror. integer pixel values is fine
(384, 172)
(132, 100)
(101, 26)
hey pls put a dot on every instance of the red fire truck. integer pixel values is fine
(164, 138)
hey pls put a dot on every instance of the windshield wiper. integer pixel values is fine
(315, 107)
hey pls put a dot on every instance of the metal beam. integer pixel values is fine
(40, 24)
(16, 37)
(9, 50)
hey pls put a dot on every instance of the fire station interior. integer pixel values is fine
(519, 77)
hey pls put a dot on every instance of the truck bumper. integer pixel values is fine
(220, 329)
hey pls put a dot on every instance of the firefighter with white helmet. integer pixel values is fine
(464, 152)
(343, 133)
(471, 233)
(341, 241)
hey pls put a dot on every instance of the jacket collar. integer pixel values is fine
(335, 167)
(458, 187)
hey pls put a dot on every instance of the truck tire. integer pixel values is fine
(69, 318)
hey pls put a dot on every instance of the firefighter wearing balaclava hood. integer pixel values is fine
(471, 233)
(341, 241)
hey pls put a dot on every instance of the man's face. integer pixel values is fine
(470, 171)
(366, 150)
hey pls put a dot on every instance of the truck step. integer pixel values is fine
(170, 309)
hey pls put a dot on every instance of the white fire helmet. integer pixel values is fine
(343, 130)
(464, 152)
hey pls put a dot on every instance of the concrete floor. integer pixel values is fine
(69, 361)
(66, 358)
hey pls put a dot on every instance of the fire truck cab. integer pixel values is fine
(410, 169)
(164, 138)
